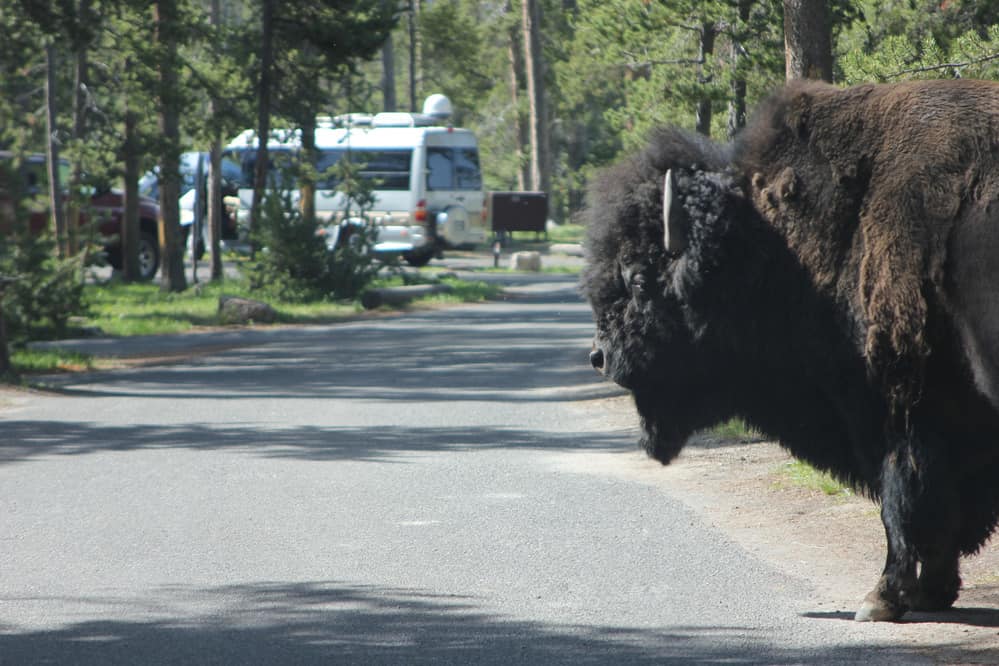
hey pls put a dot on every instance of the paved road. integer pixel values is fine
(418, 489)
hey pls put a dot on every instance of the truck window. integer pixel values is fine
(453, 169)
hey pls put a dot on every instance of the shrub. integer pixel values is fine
(294, 263)
(46, 292)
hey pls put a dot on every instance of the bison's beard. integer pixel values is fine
(663, 437)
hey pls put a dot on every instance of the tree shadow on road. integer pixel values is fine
(25, 439)
(335, 623)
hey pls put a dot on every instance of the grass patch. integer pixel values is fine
(734, 429)
(29, 361)
(144, 309)
(798, 474)
(567, 233)
(462, 291)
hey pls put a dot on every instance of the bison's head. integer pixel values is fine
(654, 244)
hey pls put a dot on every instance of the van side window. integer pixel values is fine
(280, 165)
(439, 169)
(453, 169)
(466, 169)
(384, 169)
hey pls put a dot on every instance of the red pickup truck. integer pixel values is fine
(105, 207)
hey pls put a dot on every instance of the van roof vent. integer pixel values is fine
(346, 120)
(392, 119)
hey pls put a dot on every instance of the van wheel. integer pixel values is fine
(420, 257)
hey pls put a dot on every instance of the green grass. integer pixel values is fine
(29, 362)
(734, 429)
(567, 233)
(800, 474)
(143, 309)
(462, 291)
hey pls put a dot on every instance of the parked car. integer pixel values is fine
(105, 208)
(149, 185)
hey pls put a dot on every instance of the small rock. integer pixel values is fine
(239, 310)
(525, 261)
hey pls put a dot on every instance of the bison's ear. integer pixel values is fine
(675, 219)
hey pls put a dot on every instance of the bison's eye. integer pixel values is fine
(634, 282)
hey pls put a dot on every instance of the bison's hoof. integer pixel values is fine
(876, 609)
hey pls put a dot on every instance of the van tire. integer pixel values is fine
(420, 257)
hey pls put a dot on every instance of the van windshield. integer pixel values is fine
(387, 169)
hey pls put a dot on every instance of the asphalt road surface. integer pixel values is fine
(403, 490)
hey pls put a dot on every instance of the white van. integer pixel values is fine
(427, 184)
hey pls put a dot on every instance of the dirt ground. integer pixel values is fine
(834, 542)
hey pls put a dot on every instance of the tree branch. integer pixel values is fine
(948, 65)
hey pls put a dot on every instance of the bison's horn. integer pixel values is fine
(674, 218)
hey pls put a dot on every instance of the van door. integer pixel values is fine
(454, 180)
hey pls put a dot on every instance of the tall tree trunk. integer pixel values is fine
(167, 27)
(534, 73)
(415, 54)
(5, 364)
(307, 184)
(130, 220)
(52, 154)
(737, 103)
(263, 112)
(389, 101)
(80, 92)
(807, 40)
(702, 120)
(521, 139)
(215, 207)
(215, 175)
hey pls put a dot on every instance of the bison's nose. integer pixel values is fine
(597, 359)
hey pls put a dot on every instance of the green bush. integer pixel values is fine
(46, 291)
(294, 263)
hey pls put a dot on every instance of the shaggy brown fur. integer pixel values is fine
(866, 183)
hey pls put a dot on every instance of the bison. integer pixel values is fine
(831, 277)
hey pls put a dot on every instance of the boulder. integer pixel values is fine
(239, 310)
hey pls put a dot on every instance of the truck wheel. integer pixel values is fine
(149, 256)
